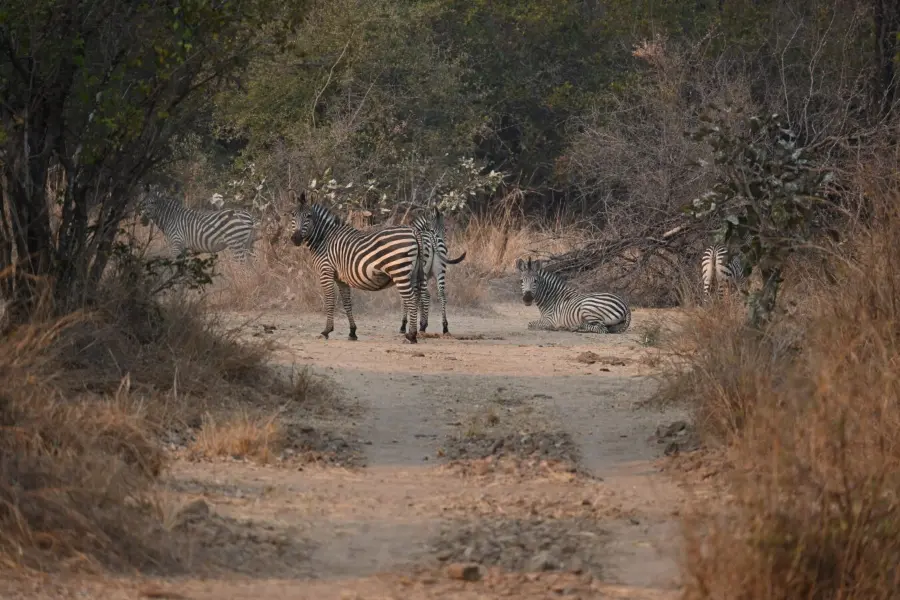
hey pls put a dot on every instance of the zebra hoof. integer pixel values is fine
(411, 338)
(352, 337)
(422, 328)
(324, 334)
(446, 329)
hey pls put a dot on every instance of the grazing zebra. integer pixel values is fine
(373, 260)
(434, 250)
(199, 230)
(565, 308)
(716, 270)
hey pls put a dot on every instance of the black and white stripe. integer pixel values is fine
(373, 260)
(434, 249)
(717, 271)
(565, 308)
(199, 230)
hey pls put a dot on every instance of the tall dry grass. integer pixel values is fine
(86, 404)
(810, 408)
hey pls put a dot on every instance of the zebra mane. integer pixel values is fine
(551, 278)
(430, 220)
(322, 213)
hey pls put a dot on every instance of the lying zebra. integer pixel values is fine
(373, 260)
(431, 227)
(717, 272)
(199, 230)
(567, 309)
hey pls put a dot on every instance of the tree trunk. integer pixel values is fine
(886, 19)
(762, 305)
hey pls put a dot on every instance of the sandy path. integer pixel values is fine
(379, 531)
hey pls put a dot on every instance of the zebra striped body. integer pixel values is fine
(346, 257)
(200, 230)
(565, 308)
(717, 271)
(434, 250)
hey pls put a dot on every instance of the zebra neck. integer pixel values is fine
(327, 231)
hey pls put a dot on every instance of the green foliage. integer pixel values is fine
(160, 274)
(450, 193)
(100, 89)
(365, 89)
(766, 192)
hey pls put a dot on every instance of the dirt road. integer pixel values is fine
(522, 451)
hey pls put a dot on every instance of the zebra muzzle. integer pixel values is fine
(296, 238)
(527, 298)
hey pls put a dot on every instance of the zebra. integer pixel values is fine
(199, 230)
(434, 246)
(567, 309)
(716, 270)
(346, 257)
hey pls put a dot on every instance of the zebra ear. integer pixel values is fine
(520, 264)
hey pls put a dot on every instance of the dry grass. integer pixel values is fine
(74, 468)
(239, 436)
(86, 402)
(811, 409)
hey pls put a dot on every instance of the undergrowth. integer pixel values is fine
(810, 411)
(86, 403)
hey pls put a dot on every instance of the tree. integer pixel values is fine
(767, 192)
(98, 89)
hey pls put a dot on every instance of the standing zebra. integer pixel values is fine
(434, 250)
(346, 257)
(199, 230)
(565, 308)
(716, 270)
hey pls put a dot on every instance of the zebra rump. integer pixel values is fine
(563, 307)
(716, 271)
(434, 249)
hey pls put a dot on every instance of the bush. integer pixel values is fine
(84, 403)
(812, 408)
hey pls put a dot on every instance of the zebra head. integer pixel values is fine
(149, 204)
(437, 220)
(431, 219)
(528, 270)
(311, 222)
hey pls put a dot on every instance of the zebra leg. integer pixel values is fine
(410, 294)
(328, 283)
(348, 307)
(442, 294)
(424, 305)
(543, 325)
(591, 327)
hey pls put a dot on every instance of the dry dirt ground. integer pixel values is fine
(525, 452)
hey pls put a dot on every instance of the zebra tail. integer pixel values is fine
(456, 260)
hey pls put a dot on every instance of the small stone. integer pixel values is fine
(542, 561)
(192, 512)
(464, 571)
(587, 358)
(481, 468)
(575, 566)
